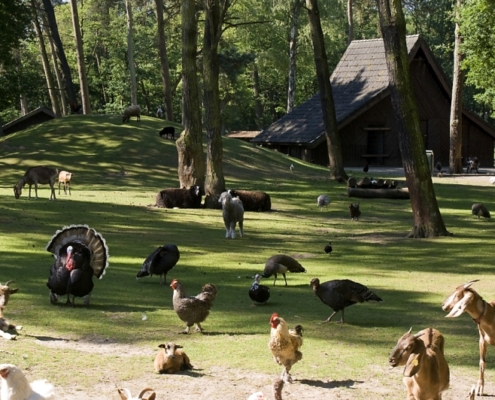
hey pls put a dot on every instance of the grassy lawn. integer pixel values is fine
(118, 169)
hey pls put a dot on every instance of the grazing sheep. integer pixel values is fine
(35, 175)
(233, 213)
(354, 211)
(64, 177)
(322, 201)
(426, 372)
(125, 394)
(131, 111)
(171, 359)
(480, 210)
(168, 131)
(253, 201)
(181, 198)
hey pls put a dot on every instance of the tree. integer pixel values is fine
(327, 105)
(428, 221)
(350, 22)
(15, 17)
(191, 168)
(295, 10)
(162, 52)
(130, 52)
(455, 154)
(214, 179)
(86, 105)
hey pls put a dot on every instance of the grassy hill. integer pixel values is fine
(118, 169)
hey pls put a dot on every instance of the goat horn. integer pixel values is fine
(144, 391)
(409, 331)
(8, 282)
(466, 285)
(419, 334)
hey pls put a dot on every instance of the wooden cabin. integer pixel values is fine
(34, 117)
(365, 117)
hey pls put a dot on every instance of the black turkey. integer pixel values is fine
(339, 294)
(328, 248)
(80, 253)
(162, 260)
(259, 293)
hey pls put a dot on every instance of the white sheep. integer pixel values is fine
(233, 213)
(64, 178)
(180, 198)
(171, 359)
(426, 372)
(131, 111)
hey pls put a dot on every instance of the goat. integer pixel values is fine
(252, 200)
(5, 326)
(35, 175)
(465, 299)
(125, 394)
(233, 213)
(171, 359)
(426, 372)
(169, 131)
(131, 111)
(181, 198)
(64, 177)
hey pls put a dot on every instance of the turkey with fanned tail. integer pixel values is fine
(162, 260)
(341, 293)
(80, 253)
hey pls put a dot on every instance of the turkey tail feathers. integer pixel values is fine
(87, 236)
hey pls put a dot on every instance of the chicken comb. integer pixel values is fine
(274, 315)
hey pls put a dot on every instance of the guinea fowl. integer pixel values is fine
(280, 264)
(339, 294)
(480, 210)
(162, 260)
(80, 253)
(193, 309)
(259, 293)
(322, 201)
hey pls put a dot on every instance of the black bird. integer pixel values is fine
(80, 253)
(366, 167)
(339, 294)
(354, 211)
(162, 260)
(328, 248)
(438, 166)
(280, 264)
(258, 293)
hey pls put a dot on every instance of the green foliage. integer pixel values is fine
(15, 17)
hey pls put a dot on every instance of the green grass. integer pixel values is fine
(118, 169)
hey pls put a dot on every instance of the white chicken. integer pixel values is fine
(15, 386)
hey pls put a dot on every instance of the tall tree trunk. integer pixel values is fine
(146, 97)
(295, 11)
(327, 105)
(455, 154)
(214, 180)
(162, 51)
(428, 221)
(46, 64)
(130, 52)
(350, 22)
(56, 68)
(258, 107)
(83, 82)
(64, 65)
(191, 168)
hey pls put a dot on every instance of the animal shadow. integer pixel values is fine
(330, 385)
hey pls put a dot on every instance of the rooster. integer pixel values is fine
(80, 252)
(285, 344)
(15, 386)
(161, 261)
(193, 309)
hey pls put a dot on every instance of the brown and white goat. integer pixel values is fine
(5, 326)
(171, 359)
(64, 177)
(34, 175)
(125, 394)
(426, 372)
(465, 299)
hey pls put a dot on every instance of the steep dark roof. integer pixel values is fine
(37, 116)
(358, 82)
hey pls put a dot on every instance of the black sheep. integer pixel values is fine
(252, 200)
(181, 198)
(168, 131)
